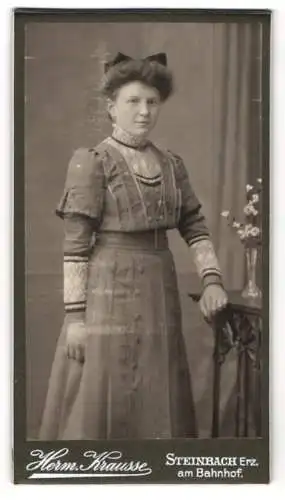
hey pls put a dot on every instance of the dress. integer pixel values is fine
(135, 380)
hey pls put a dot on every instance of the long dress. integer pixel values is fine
(135, 380)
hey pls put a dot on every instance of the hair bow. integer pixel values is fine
(160, 58)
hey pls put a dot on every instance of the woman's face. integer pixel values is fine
(135, 108)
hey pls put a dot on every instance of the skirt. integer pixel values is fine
(135, 380)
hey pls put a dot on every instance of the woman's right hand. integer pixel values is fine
(76, 341)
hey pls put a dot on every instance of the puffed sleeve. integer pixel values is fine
(193, 229)
(84, 186)
(81, 208)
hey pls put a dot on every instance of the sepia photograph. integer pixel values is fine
(145, 168)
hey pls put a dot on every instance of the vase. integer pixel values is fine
(251, 290)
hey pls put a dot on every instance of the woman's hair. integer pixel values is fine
(150, 73)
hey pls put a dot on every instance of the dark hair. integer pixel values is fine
(150, 73)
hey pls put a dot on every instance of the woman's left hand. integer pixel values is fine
(213, 300)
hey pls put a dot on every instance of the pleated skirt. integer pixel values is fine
(135, 380)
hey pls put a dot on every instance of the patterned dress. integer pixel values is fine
(119, 277)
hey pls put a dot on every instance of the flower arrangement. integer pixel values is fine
(249, 231)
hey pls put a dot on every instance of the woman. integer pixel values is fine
(120, 369)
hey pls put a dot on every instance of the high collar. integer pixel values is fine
(130, 140)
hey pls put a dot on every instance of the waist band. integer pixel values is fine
(142, 240)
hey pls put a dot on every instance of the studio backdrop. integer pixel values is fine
(212, 121)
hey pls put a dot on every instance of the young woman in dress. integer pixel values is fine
(120, 367)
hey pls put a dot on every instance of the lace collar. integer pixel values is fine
(127, 139)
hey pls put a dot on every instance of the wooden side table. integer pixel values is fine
(238, 327)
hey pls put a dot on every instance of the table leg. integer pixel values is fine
(238, 396)
(216, 386)
(225, 338)
(246, 385)
(257, 388)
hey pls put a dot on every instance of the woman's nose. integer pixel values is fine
(144, 108)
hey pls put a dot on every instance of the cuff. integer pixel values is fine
(195, 239)
(75, 316)
(205, 258)
(212, 279)
(75, 283)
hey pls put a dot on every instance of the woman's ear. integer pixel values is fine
(111, 109)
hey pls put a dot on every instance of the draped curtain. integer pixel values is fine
(237, 131)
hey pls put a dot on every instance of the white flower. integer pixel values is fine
(241, 234)
(236, 224)
(255, 231)
(248, 229)
(250, 210)
(225, 213)
(248, 187)
(255, 198)
(247, 209)
(259, 180)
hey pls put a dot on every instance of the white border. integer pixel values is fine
(276, 488)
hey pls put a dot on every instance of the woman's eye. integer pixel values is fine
(152, 102)
(133, 100)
